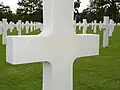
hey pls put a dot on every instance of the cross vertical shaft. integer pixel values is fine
(56, 15)
(106, 33)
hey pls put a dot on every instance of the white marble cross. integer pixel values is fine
(27, 27)
(1, 27)
(31, 26)
(100, 23)
(57, 46)
(39, 26)
(19, 27)
(112, 27)
(92, 25)
(23, 25)
(106, 29)
(11, 26)
(80, 25)
(84, 25)
(4, 31)
(95, 26)
(34, 27)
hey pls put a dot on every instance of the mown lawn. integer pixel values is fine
(90, 73)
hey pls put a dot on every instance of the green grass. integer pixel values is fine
(90, 73)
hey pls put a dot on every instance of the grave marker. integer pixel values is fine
(112, 27)
(92, 25)
(1, 27)
(100, 25)
(19, 27)
(57, 46)
(27, 27)
(4, 31)
(34, 28)
(23, 25)
(95, 26)
(11, 26)
(84, 25)
(39, 26)
(80, 25)
(106, 29)
(31, 26)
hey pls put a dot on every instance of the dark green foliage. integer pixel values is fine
(5, 12)
(100, 8)
(76, 10)
(31, 10)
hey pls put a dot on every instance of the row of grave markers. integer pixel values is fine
(5, 26)
(107, 27)
(20, 25)
(94, 25)
(33, 26)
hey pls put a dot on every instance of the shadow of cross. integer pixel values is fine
(57, 46)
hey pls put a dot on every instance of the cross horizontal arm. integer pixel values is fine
(109, 26)
(27, 49)
(87, 45)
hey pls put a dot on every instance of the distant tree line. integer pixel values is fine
(100, 8)
(5, 12)
(30, 10)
